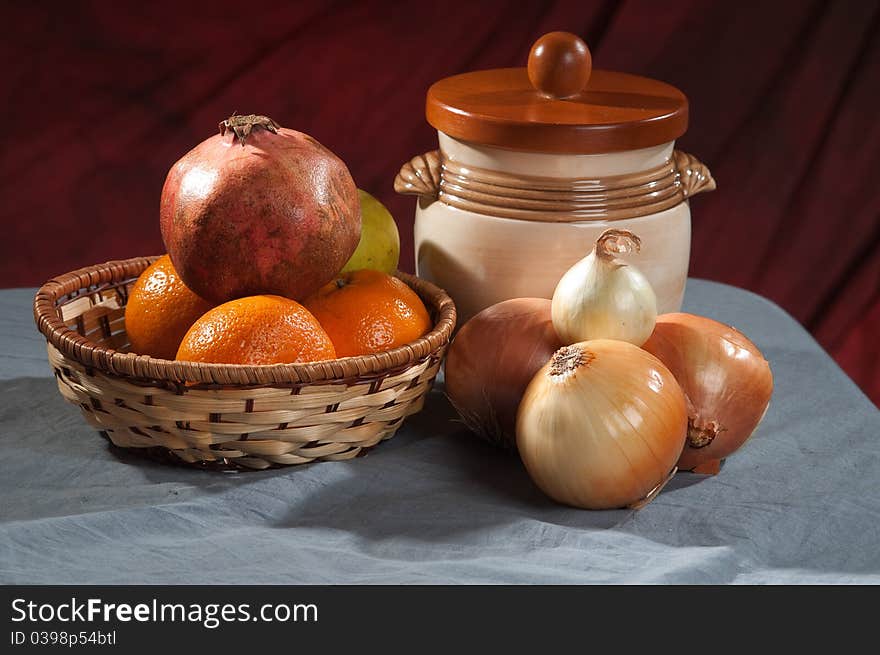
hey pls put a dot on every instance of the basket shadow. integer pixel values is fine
(160, 466)
(418, 492)
(433, 488)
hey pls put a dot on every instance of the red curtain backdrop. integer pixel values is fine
(100, 98)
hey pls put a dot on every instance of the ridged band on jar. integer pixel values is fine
(435, 177)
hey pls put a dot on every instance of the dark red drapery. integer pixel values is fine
(100, 98)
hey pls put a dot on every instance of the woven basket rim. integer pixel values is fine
(144, 367)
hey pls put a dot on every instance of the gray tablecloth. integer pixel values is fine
(800, 503)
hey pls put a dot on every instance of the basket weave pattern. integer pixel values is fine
(223, 415)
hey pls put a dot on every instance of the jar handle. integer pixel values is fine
(694, 175)
(420, 176)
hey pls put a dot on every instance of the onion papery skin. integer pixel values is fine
(725, 378)
(491, 362)
(608, 432)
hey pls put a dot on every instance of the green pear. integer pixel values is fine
(379, 247)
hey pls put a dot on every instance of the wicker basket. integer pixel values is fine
(221, 415)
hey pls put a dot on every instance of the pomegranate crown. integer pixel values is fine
(243, 125)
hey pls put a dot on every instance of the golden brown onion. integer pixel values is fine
(492, 360)
(725, 378)
(601, 425)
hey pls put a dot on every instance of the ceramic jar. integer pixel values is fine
(535, 163)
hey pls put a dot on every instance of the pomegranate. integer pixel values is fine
(259, 209)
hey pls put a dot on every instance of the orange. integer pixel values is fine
(256, 330)
(160, 310)
(369, 311)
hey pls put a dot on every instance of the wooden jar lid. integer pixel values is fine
(558, 104)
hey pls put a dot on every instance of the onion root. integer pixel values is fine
(700, 437)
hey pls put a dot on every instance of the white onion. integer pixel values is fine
(603, 297)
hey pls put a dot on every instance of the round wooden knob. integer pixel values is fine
(560, 64)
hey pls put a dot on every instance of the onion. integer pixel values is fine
(604, 297)
(725, 378)
(602, 425)
(491, 361)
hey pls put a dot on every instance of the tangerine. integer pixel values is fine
(368, 311)
(256, 330)
(160, 309)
